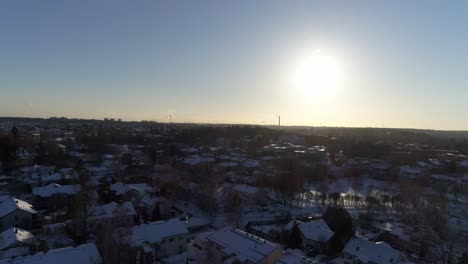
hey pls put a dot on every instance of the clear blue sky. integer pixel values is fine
(405, 62)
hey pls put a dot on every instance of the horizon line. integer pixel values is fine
(246, 124)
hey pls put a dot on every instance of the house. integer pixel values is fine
(245, 191)
(112, 213)
(229, 245)
(462, 166)
(54, 195)
(55, 189)
(16, 213)
(29, 171)
(134, 192)
(314, 234)
(196, 160)
(195, 224)
(380, 170)
(145, 243)
(99, 172)
(155, 207)
(23, 157)
(14, 237)
(367, 252)
(409, 172)
(48, 178)
(82, 254)
(291, 257)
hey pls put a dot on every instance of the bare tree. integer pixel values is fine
(80, 216)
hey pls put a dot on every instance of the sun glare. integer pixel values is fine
(318, 74)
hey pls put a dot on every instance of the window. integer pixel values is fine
(171, 239)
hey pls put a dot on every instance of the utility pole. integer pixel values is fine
(279, 120)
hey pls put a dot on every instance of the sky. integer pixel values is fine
(401, 63)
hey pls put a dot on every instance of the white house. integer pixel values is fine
(229, 245)
(314, 233)
(15, 213)
(15, 237)
(367, 252)
(143, 244)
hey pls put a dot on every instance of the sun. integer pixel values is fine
(317, 74)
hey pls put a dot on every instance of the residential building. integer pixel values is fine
(14, 237)
(54, 195)
(314, 234)
(145, 243)
(368, 252)
(229, 245)
(15, 213)
(114, 214)
(82, 254)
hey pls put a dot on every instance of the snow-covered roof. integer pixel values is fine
(243, 246)
(82, 254)
(122, 188)
(111, 210)
(422, 164)
(9, 204)
(250, 164)
(108, 156)
(380, 166)
(292, 258)
(227, 164)
(392, 229)
(13, 236)
(445, 178)
(53, 188)
(189, 150)
(245, 189)
(410, 170)
(54, 177)
(154, 232)
(195, 160)
(97, 169)
(37, 168)
(66, 170)
(368, 251)
(316, 230)
(197, 222)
